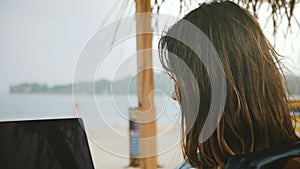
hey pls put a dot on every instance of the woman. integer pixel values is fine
(255, 116)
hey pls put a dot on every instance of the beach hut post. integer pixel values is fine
(145, 86)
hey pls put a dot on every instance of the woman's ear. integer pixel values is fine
(176, 94)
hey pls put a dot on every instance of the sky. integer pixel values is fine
(41, 40)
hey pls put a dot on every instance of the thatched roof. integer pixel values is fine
(280, 9)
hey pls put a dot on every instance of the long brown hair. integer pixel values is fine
(256, 115)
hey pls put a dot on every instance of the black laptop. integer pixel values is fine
(44, 144)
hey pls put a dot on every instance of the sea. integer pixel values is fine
(95, 110)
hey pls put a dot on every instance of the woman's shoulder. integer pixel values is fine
(293, 163)
(184, 165)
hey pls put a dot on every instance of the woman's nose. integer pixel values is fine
(174, 96)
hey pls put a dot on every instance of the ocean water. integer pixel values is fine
(96, 111)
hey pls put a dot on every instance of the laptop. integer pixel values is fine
(44, 144)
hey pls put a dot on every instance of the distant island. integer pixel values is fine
(123, 86)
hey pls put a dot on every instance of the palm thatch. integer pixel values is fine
(280, 9)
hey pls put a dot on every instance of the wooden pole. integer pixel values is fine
(147, 127)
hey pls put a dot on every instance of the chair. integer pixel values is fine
(279, 158)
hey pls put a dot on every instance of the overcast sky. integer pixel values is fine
(40, 40)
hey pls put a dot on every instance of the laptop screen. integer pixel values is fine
(46, 144)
